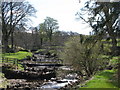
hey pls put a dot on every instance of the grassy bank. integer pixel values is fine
(17, 55)
(103, 79)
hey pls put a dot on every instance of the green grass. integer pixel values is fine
(118, 41)
(105, 56)
(110, 40)
(17, 55)
(114, 60)
(104, 79)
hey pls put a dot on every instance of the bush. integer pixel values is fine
(84, 53)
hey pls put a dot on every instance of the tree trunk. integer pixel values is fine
(88, 73)
(5, 43)
(114, 42)
(12, 41)
(5, 36)
(50, 35)
(114, 45)
(41, 41)
(11, 26)
(110, 29)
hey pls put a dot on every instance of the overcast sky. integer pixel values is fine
(62, 10)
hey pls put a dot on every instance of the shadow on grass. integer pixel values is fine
(111, 76)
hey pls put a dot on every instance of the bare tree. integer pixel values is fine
(83, 53)
(14, 13)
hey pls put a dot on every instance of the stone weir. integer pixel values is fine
(30, 73)
(45, 64)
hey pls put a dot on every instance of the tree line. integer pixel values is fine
(39, 39)
(15, 16)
